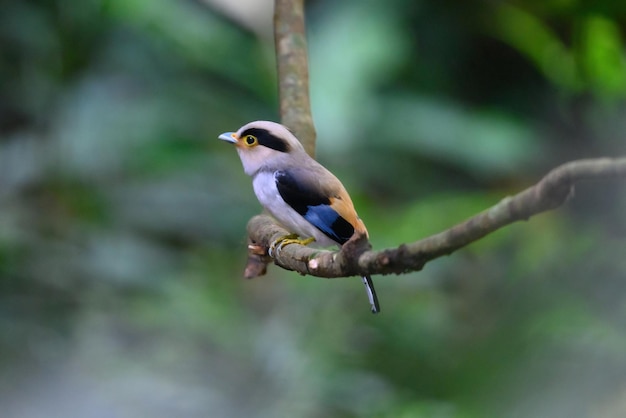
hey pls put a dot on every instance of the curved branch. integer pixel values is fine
(549, 193)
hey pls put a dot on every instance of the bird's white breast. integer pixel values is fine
(264, 185)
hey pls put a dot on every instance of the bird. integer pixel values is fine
(301, 194)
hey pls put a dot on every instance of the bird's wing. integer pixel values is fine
(320, 199)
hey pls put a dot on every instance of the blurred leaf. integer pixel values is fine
(367, 45)
(485, 143)
(201, 38)
(535, 39)
(603, 57)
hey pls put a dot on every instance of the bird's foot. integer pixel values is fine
(279, 243)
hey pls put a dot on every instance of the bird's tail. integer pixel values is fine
(371, 293)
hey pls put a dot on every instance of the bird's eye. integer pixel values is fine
(251, 140)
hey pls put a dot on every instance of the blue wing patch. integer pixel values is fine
(324, 218)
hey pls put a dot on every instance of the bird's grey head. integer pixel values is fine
(264, 145)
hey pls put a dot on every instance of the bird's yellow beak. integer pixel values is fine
(229, 137)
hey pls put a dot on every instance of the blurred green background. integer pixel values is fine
(122, 217)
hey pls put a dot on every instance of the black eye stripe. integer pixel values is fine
(265, 138)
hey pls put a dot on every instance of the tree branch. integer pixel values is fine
(293, 71)
(293, 90)
(549, 193)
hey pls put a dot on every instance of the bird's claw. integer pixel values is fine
(278, 244)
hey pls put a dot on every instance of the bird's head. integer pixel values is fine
(264, 144)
